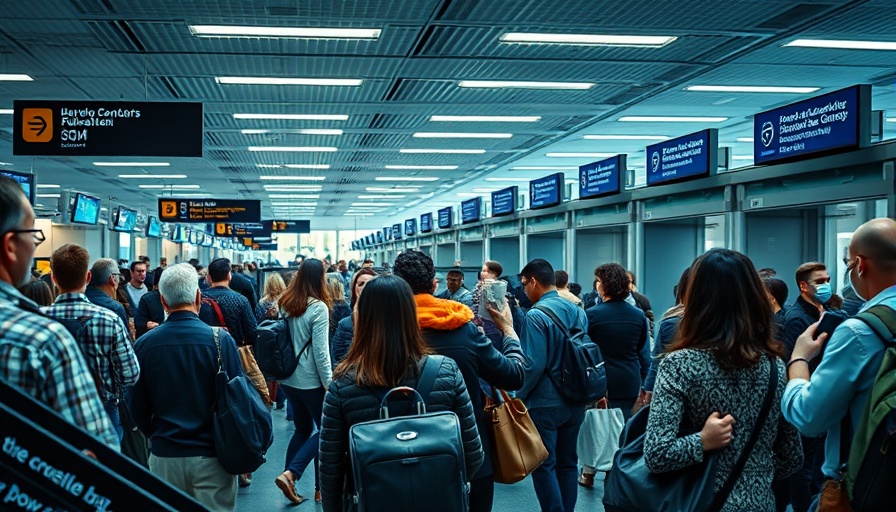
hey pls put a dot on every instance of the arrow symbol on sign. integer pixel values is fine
(39, 125)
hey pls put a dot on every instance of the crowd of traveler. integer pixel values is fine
(129, 354)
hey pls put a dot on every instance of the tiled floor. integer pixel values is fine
(263, 495)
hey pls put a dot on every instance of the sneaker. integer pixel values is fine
(586, 479)
(245, 480)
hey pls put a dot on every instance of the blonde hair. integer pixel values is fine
(274, 286)
(336, 289)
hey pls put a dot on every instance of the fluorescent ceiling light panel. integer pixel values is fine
(625, 137)
(520, 180)
(587, 39)
(42, 185)
(742, 157)
(843, 45)
(461, 135)
(372, 204)
(357, 214)
(443, 151)
(293, 187)
(275, 32)
(152, 176)
(380, 196)
(295, 149)
(7, 111)
(254, 132)
(294, 196)
(746, 139)
(510, 84)
(486, 189)
(891, 119)
(395, 189)
(545, 168)
(292, 178)
(264, 80)
(48, 196)
(293, 204)
(173, 187)
(132, 164)
(580, 155)
(185, 194)
(293, 117)
(405, 178)
(423, 167)
(292, 166)
(752, 88)
(486, 119)
(13, 77)
(672, 119)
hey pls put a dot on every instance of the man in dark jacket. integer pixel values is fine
(448, 329)
(150, 313)
(241, 284)
(183, 447)
(238, 315)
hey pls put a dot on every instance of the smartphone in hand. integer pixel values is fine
(829, 321)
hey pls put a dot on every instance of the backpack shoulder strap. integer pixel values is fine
(428, 374)
(882, 321)
(554, 318)
(216, 333)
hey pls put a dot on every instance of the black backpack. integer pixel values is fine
(274, 350)
(580, 376)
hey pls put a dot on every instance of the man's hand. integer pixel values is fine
(806, 346)
(151, 325)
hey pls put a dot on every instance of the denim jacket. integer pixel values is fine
(841, 384)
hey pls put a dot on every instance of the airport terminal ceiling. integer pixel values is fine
(360, 114)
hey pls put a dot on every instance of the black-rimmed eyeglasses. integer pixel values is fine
(38, 234)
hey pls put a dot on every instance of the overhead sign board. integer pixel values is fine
(602, 178)
(253, 229)
(839, 120)
(446, 216)
(387, 233)
(379, 237)
(426, 223)
(290, 226)
(209, 210)
(470, 210)
(410, 227)
(504, 201)
(264, 247)
(107, 128)
(396, 231)
(691, 156)
(546, 192)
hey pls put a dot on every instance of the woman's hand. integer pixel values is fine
(717, 431)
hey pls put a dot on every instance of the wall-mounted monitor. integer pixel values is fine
(85, 209)
(546, 192)
(396, 231)
(25, 180)
(410, 227)
(504, 201)
(153, 227)
(125, 219)
(177, 234)
(379, 237)
(387, 233)
(426, 223)
(688, 157)
(446, 217)
(602, 178)
(471, 210)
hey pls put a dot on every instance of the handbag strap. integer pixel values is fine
(215, 334)
(722, 496)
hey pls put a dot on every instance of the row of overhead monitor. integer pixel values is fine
(830, 123)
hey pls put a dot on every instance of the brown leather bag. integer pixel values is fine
(833, 497)
(247, 358)
(517, 448)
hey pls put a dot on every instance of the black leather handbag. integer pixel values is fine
(631, 487)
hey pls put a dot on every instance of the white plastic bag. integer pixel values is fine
(599, 438)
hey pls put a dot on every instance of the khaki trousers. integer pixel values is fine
(203, 478)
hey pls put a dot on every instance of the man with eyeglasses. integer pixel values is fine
(102, 290)
(37, 354)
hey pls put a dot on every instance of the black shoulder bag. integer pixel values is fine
(631, 487)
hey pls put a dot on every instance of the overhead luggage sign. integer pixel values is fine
(690, 156)
(839, 120)
(107, 128)
(209, 210)
(254, 229)
(602, 178)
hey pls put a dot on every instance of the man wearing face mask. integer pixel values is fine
(814, 283)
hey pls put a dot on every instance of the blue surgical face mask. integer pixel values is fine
(853, 288)
(823, 292)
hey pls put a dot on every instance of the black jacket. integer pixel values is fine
(797, 319)
(346, 404)
(239, 315)
(149, 310)
(621, 332)
(341, 340)
(243, 285)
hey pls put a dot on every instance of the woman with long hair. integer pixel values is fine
(274, 286)
(342, 337)
(388, 351)
(306, 306)
(710, 386)
(340, 307)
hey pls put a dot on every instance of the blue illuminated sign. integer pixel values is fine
(379, 237)
(410, 227)
(387, 232)
(446, 215)
(470, 210)
(690, 156)
(601, 178)
(426, 223)
(504, 201)
(396, 232)
(837, 120)
(546, 192)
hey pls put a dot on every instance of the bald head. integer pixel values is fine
(876, 240)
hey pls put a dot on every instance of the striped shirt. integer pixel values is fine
(105, 345)
(38, 356)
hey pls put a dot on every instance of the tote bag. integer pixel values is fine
(517, 448)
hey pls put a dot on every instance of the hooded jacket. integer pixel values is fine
(448, 329)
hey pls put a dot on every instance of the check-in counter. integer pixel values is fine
(472, 249)
(546, 238)
(504, 245)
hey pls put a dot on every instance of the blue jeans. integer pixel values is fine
(555, 481)
(111, 408)
(305, 443)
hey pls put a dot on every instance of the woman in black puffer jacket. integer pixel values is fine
(388, 351)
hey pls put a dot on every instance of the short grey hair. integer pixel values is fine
(102, 270)
(178, 285)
